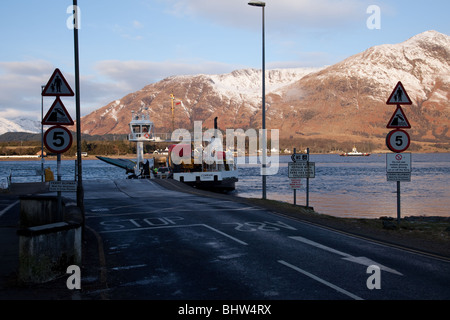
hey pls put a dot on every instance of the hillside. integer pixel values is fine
(343, 102)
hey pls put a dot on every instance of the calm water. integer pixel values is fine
(344, 186)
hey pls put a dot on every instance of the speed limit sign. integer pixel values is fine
(58, 139)
(398, 140)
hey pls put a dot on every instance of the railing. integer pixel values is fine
(145, 136)
(25, 175)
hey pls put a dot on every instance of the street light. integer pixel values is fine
(264, 139)
(42, 134)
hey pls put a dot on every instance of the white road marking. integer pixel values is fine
(360, 260)
(129, 267)
(226, 235)
(8, 207)
(310, 275)
(178, 226)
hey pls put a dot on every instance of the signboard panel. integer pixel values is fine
(399, 96)
(302, 170)
(57, 115)
(57, 86)
(398, 140)
(58, 139)
(398, 162)
(398, 120)
(399, 176)
(300, 157)
(295, 183)
(63, 186)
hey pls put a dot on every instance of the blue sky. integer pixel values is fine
(125, 45)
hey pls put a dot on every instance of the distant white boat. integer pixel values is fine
(355, 153)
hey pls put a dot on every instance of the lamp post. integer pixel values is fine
(42, 135)
(80, 191)
(262, 5)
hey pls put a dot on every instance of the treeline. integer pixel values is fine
(319, 145)
(118, 145)
(108, 148)
(36, 137)
(111, 148)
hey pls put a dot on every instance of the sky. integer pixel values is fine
(126, 45)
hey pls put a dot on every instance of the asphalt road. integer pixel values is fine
(161, 244)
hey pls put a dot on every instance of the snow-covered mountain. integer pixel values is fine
(345, 101)
(19, 125)
(235, 98)
(349, 98)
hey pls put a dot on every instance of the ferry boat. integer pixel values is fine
(216, 171)
(208, 167)
(355, 153)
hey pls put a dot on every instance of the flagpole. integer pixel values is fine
(173, 116)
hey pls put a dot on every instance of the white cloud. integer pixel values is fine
(20, 83)
(20, 87)
(134, 75)
(137, 24)
(280, 14)
(20, 90)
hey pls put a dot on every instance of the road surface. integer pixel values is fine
(162, 244)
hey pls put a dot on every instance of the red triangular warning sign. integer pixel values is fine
(57, 86)
(57, 115)
(399, 96)
(398, 120)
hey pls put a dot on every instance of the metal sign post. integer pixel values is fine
(398, 165)
(307, 180)
(57, 139)
(301, 167)
(399, 214)
(58, 175)
(295, 190)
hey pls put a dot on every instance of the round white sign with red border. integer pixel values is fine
(58, 139)
(398, 141)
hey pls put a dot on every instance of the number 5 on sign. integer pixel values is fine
(398, 141)
(58, 139)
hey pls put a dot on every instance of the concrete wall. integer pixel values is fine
(50, 240)
(39, 210)
(46, 251)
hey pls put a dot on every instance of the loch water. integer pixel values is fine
(343, 186)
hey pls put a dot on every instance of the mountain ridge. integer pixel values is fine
(342, 102)
(19, 125)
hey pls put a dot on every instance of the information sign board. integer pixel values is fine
(295, 183)
(399, 176)
(302, 169)
(398, 162)
(63, 186)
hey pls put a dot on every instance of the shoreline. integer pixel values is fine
(133, 156)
